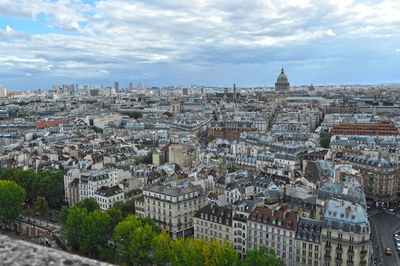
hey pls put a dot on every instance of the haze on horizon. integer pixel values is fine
(207, 42)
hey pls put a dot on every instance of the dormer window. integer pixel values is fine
(273, 221)
(202, 215)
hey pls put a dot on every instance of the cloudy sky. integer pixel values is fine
(205, 42)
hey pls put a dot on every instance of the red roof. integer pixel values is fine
(47, 124)
(165, 148)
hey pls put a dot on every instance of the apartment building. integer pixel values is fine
(380, 178)
(213, 221)
(345, 234)
(173, 208)
(107, 196)
(308, 242)
(274, 228)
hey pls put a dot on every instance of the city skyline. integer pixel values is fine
(199, 42)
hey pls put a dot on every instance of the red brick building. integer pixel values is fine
(386, 129)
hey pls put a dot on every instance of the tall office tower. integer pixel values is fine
(139, 86)
(116, 86)
(130, 87)
(144, 86)
(76, 87)
(185, 91)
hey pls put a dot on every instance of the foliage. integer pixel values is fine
(93, 233)
(22, 115)
(134, 238)
(127, 208)
(169, 114)
(12, 196)
(41, 206)
(137, 161)
(325, 141)
(46, 184)
(63, 215)
(199, 252)
(89, 203)
(115, 216)
(133, 114)
(232, 170)
(87, 231)
(148, 159)
(72, 227)
(270, 200)
(263, 257)
(97, 129)
(161, 247)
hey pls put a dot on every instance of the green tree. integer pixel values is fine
(63, 215)
(72, 227)
(115, 216)
(41, 206)
(133, 114)
(89, 203)
(134, 239)
(12, 196)
(161, 247)
(263, 257)
(127, 208)
(93, 233)
(325, 141)
(46, 184)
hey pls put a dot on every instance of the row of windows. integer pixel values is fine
(269, 229)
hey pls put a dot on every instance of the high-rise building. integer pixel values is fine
(185, 91)
(139, 86)
(3, 92)
(130, 86)
(116, 86)
(144, 86)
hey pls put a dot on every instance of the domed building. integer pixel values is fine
(282, 84)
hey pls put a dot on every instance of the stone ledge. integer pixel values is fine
(21, 253)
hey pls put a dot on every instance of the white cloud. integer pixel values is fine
(330, 32)
(398, 50)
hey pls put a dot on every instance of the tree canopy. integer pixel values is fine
(325, 141)
(46, 184)
(12, 197)
(89, 203)
(262, 256)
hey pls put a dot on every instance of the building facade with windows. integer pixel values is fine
(173, 208)
(308, 242)
(274, 228)
(213, 221)
(345, 234)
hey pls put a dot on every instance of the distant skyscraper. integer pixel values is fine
(130, 87)
(139, 86)
(234, 92)
(282, 83)
(116, 86)
(185, 91)
(144, 86)
(203, 90)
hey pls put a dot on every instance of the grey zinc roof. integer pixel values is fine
(344, 216)
(173, 191)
